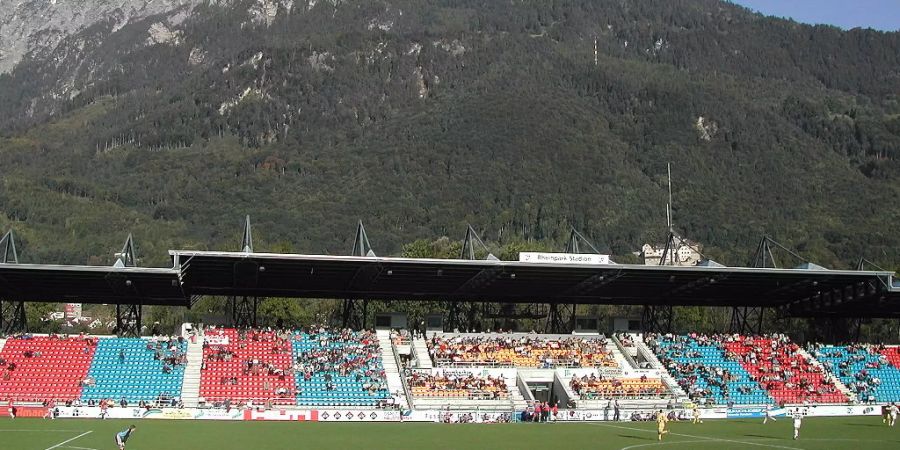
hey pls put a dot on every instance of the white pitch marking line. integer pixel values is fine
(79, 448)
(700, 437)
(652, 444)
(69, 440)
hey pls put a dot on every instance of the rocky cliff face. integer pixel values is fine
(38, 26)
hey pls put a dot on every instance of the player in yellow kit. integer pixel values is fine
(696, 412)
(661, 422)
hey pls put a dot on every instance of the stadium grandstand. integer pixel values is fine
(348, 371)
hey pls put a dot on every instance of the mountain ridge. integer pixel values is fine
(419, 117)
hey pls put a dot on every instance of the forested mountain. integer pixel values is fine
(418, 117)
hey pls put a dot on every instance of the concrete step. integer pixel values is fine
(667, 378)
(420, 346)
(613, 345)
(828, 375)
(190, 388)
(391, 367)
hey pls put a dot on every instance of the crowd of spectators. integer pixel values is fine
(346, 353)
(864, 382)
(689, 374)
(260, 357)
(597, 386)
(463, 385)
(772, 361)
(336, 354)
(520, 351)
(166, 349)
(780, 367)
(400, 337)
(626, 339)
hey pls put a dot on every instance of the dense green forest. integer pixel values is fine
(522, 118)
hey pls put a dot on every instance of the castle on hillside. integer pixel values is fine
(687, 253)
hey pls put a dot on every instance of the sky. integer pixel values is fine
(878, 14)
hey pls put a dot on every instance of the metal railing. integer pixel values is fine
(402, 374)
(625, 354)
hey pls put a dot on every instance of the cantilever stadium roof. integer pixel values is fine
(803, 292)
(91, 284)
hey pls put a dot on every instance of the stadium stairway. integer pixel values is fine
(618, 352)
(561, 383)
(515, 394)
(650, 357)
(190, 391)
(420, 347)
(391, 367)
(2, 343)
(837, 381)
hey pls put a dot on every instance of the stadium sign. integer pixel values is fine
(563, 258)
(215, 340)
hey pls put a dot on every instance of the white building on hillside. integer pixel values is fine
(687, 253)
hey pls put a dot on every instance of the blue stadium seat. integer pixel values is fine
(857, 359)
(138, 377)
(712, 356)
(347, 392)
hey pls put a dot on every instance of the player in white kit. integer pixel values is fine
(798, 422)
(769, 415)
(893, 410)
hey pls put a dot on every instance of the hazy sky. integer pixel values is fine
(878, 14)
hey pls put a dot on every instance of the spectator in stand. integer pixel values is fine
(527, 351)
(470, 386)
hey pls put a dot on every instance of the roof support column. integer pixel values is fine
(747, 320)
(129, 320)
(243, 309)
(657, 319)
(560, 318)
(128, 316)
(12, 313)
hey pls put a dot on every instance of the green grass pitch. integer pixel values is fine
(858, 433)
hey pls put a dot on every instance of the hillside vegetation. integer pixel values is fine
(419, 117)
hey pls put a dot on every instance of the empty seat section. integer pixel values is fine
(699, 365)
(44, 368)
(777, 364)
(136, 369)
(241, 366)
(865, 370)
(338, 368)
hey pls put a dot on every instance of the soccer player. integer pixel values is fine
(49, 413)
(798, 422)
(11, 409)
(893, 413)
(697, 414)
(769, 415)
(661, 422)
(885, 412)
(122, 437)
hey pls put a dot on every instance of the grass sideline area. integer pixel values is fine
(88, 434)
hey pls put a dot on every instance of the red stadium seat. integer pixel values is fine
(54, 371)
